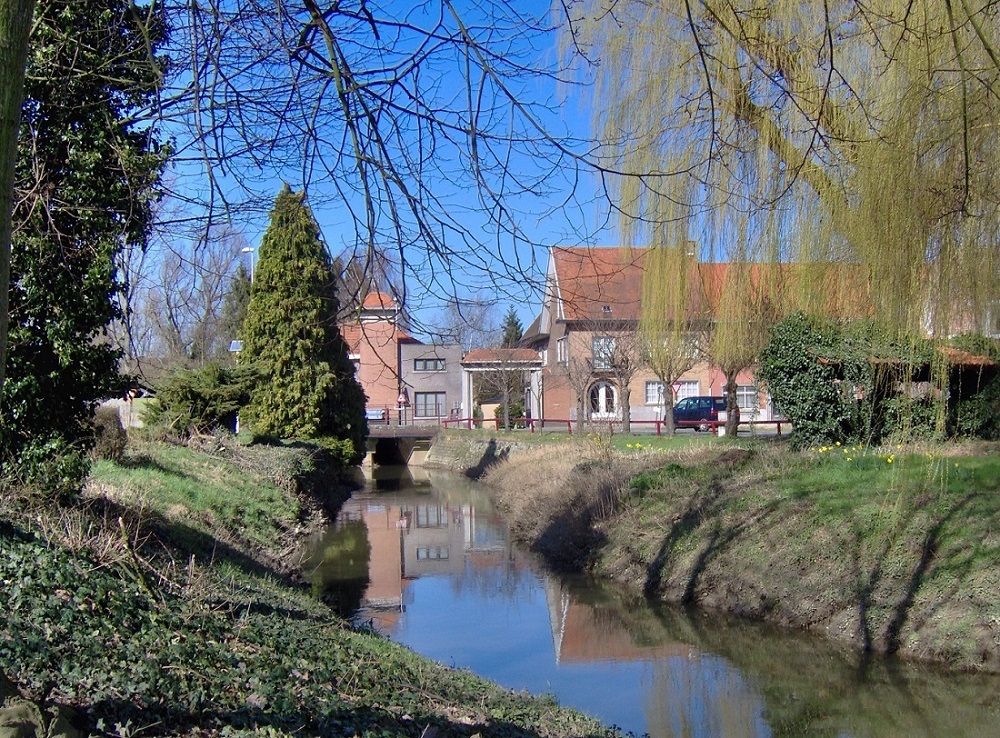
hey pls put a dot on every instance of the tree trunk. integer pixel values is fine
(732, 404)
(15, 26)
(668, 410)
(626, 409)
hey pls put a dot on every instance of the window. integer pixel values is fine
(433, 553)
(992, 319)
(603, 400)
(746, 397)
(686, 389)
(428, 365)
(428, 404)
(654, 393)
(562, 351)
(604, 349)
(431, 516)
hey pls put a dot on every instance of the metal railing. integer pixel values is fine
(533, 424)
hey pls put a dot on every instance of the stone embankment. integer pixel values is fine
(473, 452)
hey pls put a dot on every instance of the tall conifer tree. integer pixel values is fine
(308, 388)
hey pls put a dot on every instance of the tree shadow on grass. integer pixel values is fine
(161, 538)
(144, 462)
(890, 638)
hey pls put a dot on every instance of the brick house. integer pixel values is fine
(404, 379)
(592, 299)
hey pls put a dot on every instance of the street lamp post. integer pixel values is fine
(249, 250)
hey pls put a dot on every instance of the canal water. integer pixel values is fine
(426, 561)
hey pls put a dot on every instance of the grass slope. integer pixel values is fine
(146, 628)
(893, 550)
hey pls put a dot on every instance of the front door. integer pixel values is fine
(603, 401)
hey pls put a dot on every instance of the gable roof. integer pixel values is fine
(596, 284)
(534, 332)
(590, 279)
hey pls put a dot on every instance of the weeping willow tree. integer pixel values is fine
(852, 143)
(671, 327)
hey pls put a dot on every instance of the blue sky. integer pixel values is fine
(558, 207)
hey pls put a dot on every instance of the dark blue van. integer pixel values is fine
(700, 413)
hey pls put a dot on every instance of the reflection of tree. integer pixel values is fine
(812, 686)
(705, 696)
(340, 578)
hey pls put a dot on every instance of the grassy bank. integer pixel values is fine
(892, 550)
(160, 605)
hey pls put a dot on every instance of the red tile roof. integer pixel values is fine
(605, 283)
(591, 278)
(961, 358)
(375, 300)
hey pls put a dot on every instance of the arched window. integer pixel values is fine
(603, 401)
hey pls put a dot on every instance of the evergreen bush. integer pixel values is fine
(308, 387)
(200, 401)
(88, 180)
(796, 366)
(50, 466)
(852, 382)
(979, 415)
(516, 413)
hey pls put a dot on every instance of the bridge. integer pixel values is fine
(392, 445)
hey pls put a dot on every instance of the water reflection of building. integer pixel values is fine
(584, 632)
(419, 536)
(688, 687)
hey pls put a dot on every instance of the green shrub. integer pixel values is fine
(915, 419)
(51, 466)
(516, 411)
(977, 344)
(342, 451)
(979, 416)
(798, 368)
(310, 388)
(202, 401)
(848, 382)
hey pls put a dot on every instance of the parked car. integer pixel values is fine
(700, 413)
